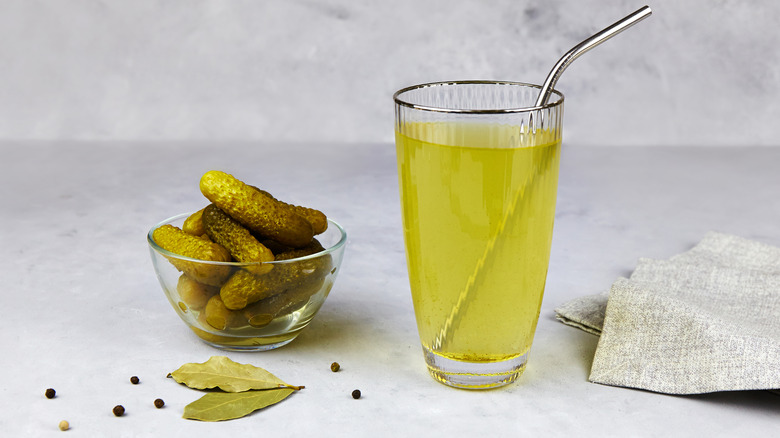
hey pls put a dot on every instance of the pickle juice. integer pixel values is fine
(478, 204)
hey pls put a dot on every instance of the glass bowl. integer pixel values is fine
(296, 290)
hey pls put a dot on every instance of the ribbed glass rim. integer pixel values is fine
(399, 101)
(157, 248)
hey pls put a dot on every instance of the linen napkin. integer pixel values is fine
(704, 321)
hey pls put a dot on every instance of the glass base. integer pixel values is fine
(474, 375)
(257, 347)
(245, 343)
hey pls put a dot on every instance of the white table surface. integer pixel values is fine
(82, 310)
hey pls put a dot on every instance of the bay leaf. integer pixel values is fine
(221, 372)
(220, 406)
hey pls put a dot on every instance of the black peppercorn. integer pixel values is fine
(119, 410)
(158, 403)
(50, 393)
(134, 380)
(335, 366)
(356, 394)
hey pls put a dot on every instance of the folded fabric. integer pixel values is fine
(704, 321)
(585, 313)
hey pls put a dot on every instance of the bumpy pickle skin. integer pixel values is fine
(241, 244)
(173, 239)
(317, 219)
(275, 247)
(261, 214)
(312, 248)
(243, 288)
(194, 224)
(194, 294)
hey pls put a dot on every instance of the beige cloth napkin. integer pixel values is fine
(704, 321)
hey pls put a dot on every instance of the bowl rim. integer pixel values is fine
(157, 248)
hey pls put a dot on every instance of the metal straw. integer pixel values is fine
(579, 49)
(444, 335)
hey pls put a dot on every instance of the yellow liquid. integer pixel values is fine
(478, 205)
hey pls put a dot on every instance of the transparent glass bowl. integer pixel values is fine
(299, 286)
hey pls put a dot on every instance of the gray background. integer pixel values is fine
(700, 72)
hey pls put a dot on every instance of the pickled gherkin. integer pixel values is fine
(275, 247)
(173, 239)
(312, 248)
(244, 288)
(194, 294)
(262, 215)
(317, 219)
(194, 224)
(241, 244)
(220, 317)
(261, 313)
(277, 272)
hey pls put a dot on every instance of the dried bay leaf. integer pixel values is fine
(220, 406)
(221, 372)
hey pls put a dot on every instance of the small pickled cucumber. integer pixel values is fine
(220, 317)
(244, 288)
(317, 219)
(312, 248)
(275, 247)
(193, 293)
(260, 319)
(194, 224)
(241, 244)
(261, 214)
(173, 239)
(261, 313)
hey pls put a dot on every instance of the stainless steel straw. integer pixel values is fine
(467, 294)
(579, 49)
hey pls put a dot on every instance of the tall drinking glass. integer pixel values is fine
(478, 173)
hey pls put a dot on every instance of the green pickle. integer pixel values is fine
(275, 247)
(247, 225)
(220, 317)
(262, 215)
(264, 311)
(244, 288)
(194, 224)
(317, 219)
(193, 293)
(241, 244)
(173, 239)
